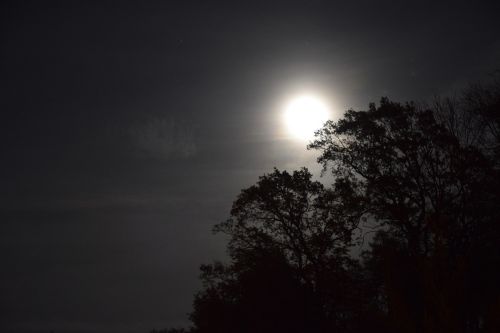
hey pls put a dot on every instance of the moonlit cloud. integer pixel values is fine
(165, 137)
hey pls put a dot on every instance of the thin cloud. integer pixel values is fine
(164, 137)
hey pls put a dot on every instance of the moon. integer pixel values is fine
(304, 115)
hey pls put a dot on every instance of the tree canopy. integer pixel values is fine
(434, 202)
(423, 180)
(289, 237)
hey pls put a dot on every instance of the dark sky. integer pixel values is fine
(127, 129)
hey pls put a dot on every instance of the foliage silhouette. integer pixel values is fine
(425, 181)
(289, 238)
(434, 201)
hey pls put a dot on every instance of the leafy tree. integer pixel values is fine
(425, 180)
(311, 226)
(290, 268)
(474, 117)
(428, 194)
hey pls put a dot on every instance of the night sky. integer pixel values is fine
(127, 130)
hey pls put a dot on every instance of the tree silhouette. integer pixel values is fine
(289, 239)
(430, 197)
(426, 181)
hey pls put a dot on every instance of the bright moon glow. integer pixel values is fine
(304, 115)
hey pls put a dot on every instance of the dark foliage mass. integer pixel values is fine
(422, 182)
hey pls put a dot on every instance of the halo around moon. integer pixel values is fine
(304, 115)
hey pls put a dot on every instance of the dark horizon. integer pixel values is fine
(129, 128)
